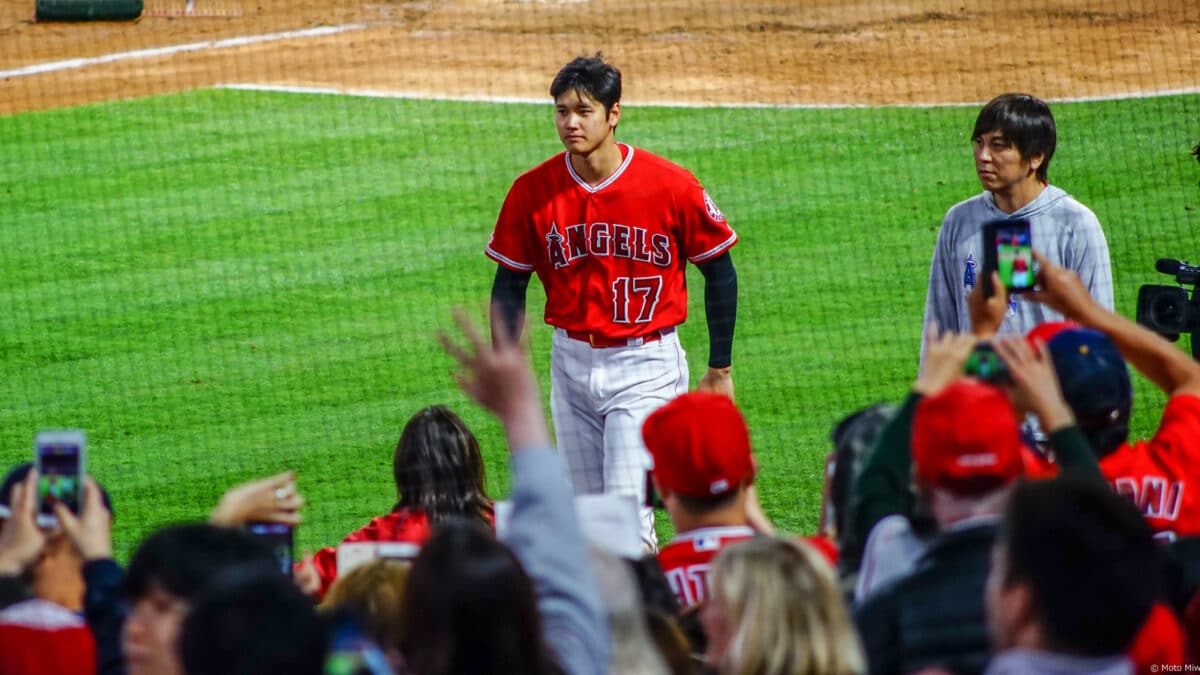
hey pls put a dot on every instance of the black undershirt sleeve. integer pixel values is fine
(720, 308)
(508, 294)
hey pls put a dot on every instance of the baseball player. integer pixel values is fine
(1014, 140)
(609, 230)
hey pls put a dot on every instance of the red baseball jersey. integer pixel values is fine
(1154, 474)
(610, 256)
(686, 560)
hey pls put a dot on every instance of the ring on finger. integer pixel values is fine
(280, 494)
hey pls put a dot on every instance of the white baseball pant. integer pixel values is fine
(599, 398)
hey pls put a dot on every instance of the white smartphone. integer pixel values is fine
(61, 461)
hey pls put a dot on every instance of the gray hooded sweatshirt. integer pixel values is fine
(1064, 231)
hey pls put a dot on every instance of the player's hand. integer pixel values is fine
(91, 532)
(273, 499)
(21, 541)
(1035, 385)
(498, 376)
(945, 356)
(717, 381)
(987, 313)
(1061, 289)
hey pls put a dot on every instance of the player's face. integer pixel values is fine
(582, 123)
(999, 163)
(151, 636)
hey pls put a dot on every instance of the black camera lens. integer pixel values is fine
(1167, 312)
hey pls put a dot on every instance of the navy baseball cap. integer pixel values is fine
(17, 475)
(1095, 383)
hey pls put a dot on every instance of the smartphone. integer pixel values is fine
(1008, 249)
(987, 365)
(278, 537)
(61, 461)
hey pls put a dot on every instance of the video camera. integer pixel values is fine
(1166, 310)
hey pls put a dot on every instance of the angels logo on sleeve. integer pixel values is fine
(711, 207)
(969, 271)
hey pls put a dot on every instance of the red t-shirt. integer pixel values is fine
(611, 256)
(1155, 474)
(686, 560)
(37, 637)
(406, 525)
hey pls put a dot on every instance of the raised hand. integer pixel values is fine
(497, 376)
(273, 499)
(1035, 384)
(945, 356)
(91, 532)
(21, 541)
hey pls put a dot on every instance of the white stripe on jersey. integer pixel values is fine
(508, 261)
(607, 181)
(712, 252)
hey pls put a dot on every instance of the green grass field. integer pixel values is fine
(220, 284)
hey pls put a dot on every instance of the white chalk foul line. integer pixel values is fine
(423, 96)
(69, 64)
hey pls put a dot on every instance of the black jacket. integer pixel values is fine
(935, 615)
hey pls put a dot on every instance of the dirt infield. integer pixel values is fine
(729, 51)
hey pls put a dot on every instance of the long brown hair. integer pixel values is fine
(439, 469)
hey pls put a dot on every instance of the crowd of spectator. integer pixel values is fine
(955, 540)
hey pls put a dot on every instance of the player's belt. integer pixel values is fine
(601, 342)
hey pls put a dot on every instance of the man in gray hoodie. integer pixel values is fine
(1014, 140)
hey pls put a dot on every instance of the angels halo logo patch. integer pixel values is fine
(711, 206)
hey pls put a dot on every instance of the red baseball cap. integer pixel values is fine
(1046, 331)
(700, 445)
(968, 430)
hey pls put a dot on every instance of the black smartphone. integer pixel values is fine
(987, 365)
(278, 537)
(61, 461)
(1008, 249)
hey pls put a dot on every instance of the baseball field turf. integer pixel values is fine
(220, 284)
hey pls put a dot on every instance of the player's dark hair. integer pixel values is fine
(439, 469)
(701, 505)
(470, 607)
(1089, 559)
(1025, 121)
(185, 560)
(592, 76)
(253, 624)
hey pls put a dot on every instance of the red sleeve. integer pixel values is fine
(509, 244)
(325, 562)
(1160, 642)
(706, 234)
(1179, 431)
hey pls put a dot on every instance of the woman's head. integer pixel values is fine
(439, 469)
(775, 608)
(373, 593)
(469, 607)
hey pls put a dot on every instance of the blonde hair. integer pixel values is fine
(785, 612)
(374, 592)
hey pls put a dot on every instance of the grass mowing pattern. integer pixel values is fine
(222, 284)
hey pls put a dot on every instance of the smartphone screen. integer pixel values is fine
(1013, 245)
(59, 459)
(279, 538)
